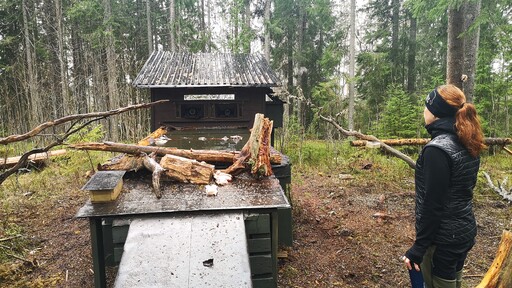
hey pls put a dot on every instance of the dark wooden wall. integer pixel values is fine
(249, 101)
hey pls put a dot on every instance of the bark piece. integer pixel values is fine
(499, 274)
(187, 170)
(256, 152)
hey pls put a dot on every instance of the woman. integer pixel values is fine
(446, 173)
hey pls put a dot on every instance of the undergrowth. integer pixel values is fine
(68, 172)
(33, 186)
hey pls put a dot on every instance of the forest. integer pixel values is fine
(67, 57)
(365, 65)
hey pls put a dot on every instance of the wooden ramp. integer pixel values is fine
(194, 250)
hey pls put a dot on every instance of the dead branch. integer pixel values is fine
(60, 140)
(153, 166)
(69, 118)
(210, 156)
(501, 189)
(362, 136)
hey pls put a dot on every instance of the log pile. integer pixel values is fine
(188, 165)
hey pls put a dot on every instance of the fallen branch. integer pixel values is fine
(209, 156)
(153, 166)
(501, 189)
(60, 140)
(362, 136)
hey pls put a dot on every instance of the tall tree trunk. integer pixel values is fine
(67, 103)
(148, 25)
(31, 91)
(266, 21)
(208, 19)
(203, 27)
(471, 44)
(411, 62)
(247, 28)
(455, 53)
(395, 18)
(113, 94)
(352, 66)
(172, 24)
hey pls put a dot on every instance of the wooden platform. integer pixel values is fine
(202, 250)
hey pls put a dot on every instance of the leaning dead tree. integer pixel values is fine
(372, 138)
(76, 126)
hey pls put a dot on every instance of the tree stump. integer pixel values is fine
(256, 152)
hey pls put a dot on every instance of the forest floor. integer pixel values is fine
(339, 238)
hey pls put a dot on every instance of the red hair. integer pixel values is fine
(467, 122)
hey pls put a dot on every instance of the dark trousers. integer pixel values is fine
(444, 262)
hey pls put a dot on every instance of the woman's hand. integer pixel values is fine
(408, 263)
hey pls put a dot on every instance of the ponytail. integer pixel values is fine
(467, 122)
(469, 129)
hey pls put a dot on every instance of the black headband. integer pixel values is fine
(438, 106)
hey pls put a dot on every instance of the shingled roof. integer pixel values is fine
(180, 69)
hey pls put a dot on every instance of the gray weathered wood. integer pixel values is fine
(171, 251)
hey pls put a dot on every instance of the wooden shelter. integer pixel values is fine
(213, 90)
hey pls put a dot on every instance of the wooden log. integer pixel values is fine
(499, 274)
(256, 152)
(123, 162)
(38, 157)
(187, 170)
(424, 141)
(153, 166)
(209, 156)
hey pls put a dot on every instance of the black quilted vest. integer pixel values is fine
(458, 223)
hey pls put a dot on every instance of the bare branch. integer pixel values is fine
(60, 140)
(383, 145)
(42, 127)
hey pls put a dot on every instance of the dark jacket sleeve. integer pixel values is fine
(437, 169)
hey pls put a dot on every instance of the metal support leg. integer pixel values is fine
(98, 252)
